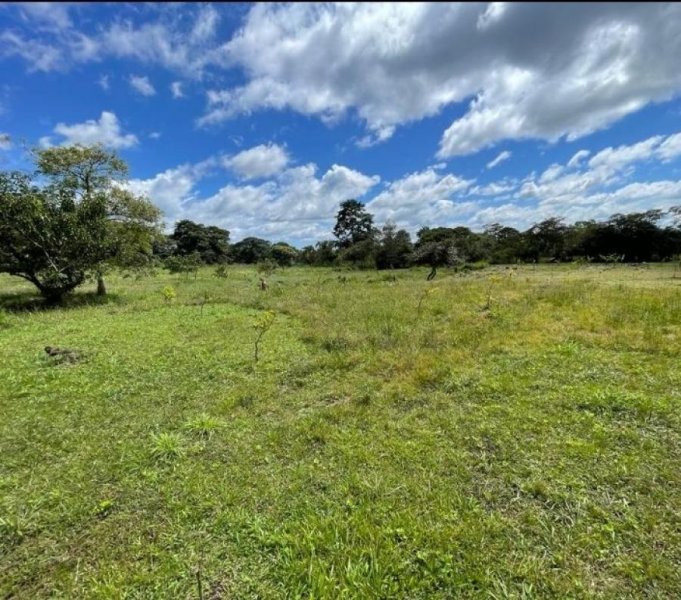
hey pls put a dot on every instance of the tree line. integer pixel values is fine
(74, 218)
(649, 236)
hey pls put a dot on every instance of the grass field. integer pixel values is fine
(505, 433)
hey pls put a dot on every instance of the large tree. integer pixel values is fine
(211, 242)
(353, 224)
(395, 248)
(251, 250)
(72, 220)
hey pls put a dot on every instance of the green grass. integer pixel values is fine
(525, 447)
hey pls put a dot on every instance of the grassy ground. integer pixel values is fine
(503, 433)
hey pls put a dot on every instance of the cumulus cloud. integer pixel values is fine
(261, 161)
(298, 204)
(520, 70)
(523, 72)
(601, 186)
(107, 131)
(501, 157)
(103, 82)
(424, 197)
(142, 85)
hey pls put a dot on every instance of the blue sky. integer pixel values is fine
(263, 118)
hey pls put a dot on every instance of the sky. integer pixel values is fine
(263, 118)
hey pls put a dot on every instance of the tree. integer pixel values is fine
(211, 242)
(79, 221)
(437, 254)
(284, 254)
(546, 239)
(395, 248)
(251, 250)
(353, 224)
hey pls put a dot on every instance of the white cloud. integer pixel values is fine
(615, 159)
(423, 198)
(103, 82)
(528, 73)
(260, 161)
(504, 155)
(670, 148)
(39, 56)
(106, 131)
(543, 71)
(155, 135)
(176, 89)
(50, 14)
(496, 188)
(577, 158)
(552, 173)
(298, 205)
(142, 85)
(5, 141)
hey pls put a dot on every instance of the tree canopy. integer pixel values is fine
(72, 219)
(354, 224)
(210, 242)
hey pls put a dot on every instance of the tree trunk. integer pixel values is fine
(101, 288)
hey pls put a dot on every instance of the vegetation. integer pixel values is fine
(519, 437)
(506, 432)
(72, 221)
(210, 243)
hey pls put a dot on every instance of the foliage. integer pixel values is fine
(169, 293)
(210, 242)
(284, 254)
(322, 254)
(354, 224)
(76, 223)
(361, 254)
(183, 264)
(262, 325)
(221, 271)
(394, 249)
(251, 250)
(266, 267)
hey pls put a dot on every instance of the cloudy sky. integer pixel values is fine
(263, 118)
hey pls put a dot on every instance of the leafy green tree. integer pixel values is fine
(183, 264)
(394, 249)
(361, 254)
(251, 250)
(284, 254)
(211, 242)
(437, 254)
(503, 244)
(321, 254)
(353, 224)
(73, 221)
(546, 240)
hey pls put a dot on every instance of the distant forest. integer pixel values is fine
(651, 236)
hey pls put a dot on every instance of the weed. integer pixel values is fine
(166, 446)
(203, 426)
(262, 325)
(169, 294)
